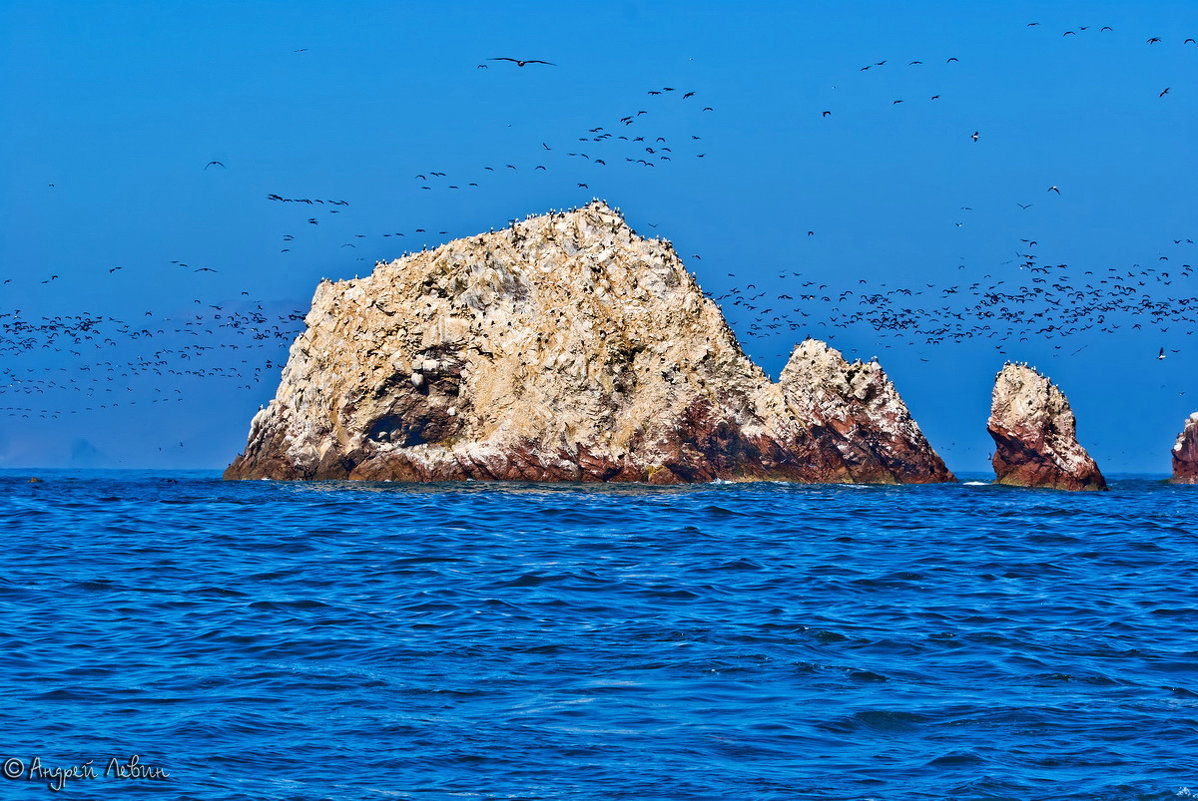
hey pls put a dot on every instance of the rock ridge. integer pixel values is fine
(564, 348)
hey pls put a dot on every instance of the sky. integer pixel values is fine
(183, 281)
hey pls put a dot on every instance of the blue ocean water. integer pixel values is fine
(352, 641)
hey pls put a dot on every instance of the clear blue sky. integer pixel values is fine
(119, 106)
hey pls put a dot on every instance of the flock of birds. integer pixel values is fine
(626, 141)
(95, 361)
(1041, 300)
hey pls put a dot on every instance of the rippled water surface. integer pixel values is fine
(353, 641)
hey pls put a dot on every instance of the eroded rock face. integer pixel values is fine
(564, 348)
(1035, 434)
(1185, 453)
(855, 409)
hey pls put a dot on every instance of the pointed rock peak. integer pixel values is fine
(861, 411)
(814, 357)
(1035, 434)
(1185, 453)
(1017, 369)
(811, 349)
(599, 207)
(597, 211)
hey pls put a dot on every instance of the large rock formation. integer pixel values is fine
(1035, 434)
(565, 347)
(1185, 453)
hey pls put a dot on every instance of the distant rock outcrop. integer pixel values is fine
(1185, 453)
(1035, 434)
(564, 348)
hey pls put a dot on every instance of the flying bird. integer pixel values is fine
(1162, 94)
(1054, 188)
(211, 163)
(520, 63)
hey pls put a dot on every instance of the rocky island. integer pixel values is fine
(1185, 453)
(1035, 434)
(564, 348)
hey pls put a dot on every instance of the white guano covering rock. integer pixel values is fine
(565, 347)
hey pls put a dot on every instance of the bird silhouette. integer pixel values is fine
(521, 63)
